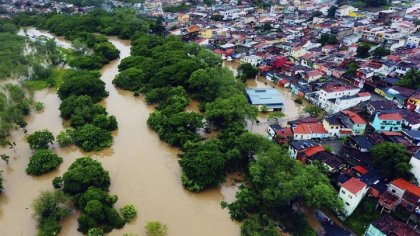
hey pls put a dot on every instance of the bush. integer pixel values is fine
(65, 138)
(57, 182)
(92, 138)
(128, 212)
(43, 161)
(49, 208)
(84, 173)
(95, 232)
(40, 139)
(39, 106)
(155, 228)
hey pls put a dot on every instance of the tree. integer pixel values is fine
(202, 165)
(331, 11)
(43, 161)
(95, 232)
(155, 228)
(105, 122)
(392, 160)
(83, 84)
(49, 208)
(246, 201)
(107, 50)
(65, 138)
(57, 182)
(363, 51)
(129, 79)
(247, 71)
(380, 52)
(327, 39)
(259, 225)
(84, 173)
(92, 138)
(80, 110)
(224, 111)
(411, 79)
(128, 212)
(40, 139)
(352, 68)
(313, 110)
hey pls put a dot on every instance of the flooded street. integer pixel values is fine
(144, 171)
(291, 109)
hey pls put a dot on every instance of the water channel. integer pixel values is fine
(144, 171)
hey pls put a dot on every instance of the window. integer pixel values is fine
(350, 196)
(393, 191)
(348, 204)
(382, 127)
(344, 192)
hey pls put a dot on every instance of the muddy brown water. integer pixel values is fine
(144, 171)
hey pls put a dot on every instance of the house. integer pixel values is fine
(413, 102)
(283, 135)
(312, 75)
(353, 122)
(333, 125)
(334, 91)
(345, 10)
(352, 192)
(387, 122)
(415, 162)
(299, 146)
(361, 143)
(271, 130)
(345, 102)
(333, 163)
(252, 59)
(399, 95)
(267, 98)
(387, 225)
(309, 131)
(377, 106)
(407, 193)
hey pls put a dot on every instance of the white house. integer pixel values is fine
(412, 41)
(252, 59)
(352, 192)
(339, 104)
(345, 10)
(415, 162)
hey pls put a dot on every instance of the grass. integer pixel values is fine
(55, 80)
(364, 214)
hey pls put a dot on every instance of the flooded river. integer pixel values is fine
(144, 171)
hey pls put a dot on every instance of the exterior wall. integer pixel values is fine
(359, 129)
(333, 130)
(292, 152)
(383, 125)
(416, 168)
(396, 191)
(324, 95)
(351, 201)
(412, 41)
(302, 136)
(343, 104)
(373, 231)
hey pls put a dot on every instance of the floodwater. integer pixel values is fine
(291, 109)
(144, 171)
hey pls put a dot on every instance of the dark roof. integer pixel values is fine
(332, 120)
(328, 158)
(275, 127)
(383, 105)
(412, 134)
(302, 144)
(362, 141)
(390, 226)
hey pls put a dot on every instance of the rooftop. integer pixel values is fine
(266, 96)
(404, 184)
(354, 185)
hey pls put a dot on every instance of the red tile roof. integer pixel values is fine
(284, 132)
(364, 94)
(313, 150)
(405, 185)
(313, 73)
(318, 128)
(302, 129)
(390, 116)
(354, 117)
(310, 128)
(360, 169)
(354, 185)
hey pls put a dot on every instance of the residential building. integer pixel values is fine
(309, 131)
(387, 122)
(388, 226)
(415, 162)
(352, 192)
(299, 146)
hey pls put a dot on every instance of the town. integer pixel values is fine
(354, 70)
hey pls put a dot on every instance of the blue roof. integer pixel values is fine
(265, 96)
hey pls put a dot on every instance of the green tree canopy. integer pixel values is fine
(202, 165)
(392, 160)
(363, 51)
(40, 139)
(411, 79)
(247, 71)
(84, 173)
(92, 138)
(83, 83)
(43, 161)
